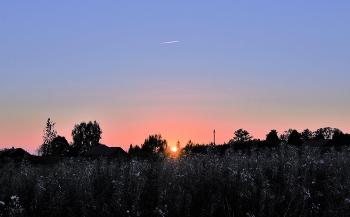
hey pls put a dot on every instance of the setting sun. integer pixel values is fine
(174, 149)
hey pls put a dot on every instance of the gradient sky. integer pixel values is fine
(257, 65)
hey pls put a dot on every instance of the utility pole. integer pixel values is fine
(214, 136)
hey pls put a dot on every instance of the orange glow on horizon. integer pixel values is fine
(174, 128)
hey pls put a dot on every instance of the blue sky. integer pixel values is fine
(238, 64)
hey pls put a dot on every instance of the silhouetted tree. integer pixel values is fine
(134, 149)
(272, 137)
(336, 131)
(325, 133)
(241, 136)
(346, 139)
(188, 148)
(178, 145)
(294, 138)
(319, 134)
(328, 132)
(60, 146)
(285, 135)
(3, 152)
(306, 135)
(154, 144)
(49, 134)
(338, 137)
(85, 135)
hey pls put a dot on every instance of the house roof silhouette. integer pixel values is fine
(16, 152)
(103, 150)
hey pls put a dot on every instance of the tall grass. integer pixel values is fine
(269, 182)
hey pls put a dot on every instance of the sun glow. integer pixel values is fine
(173, 149)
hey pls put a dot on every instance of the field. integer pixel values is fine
(269, 182)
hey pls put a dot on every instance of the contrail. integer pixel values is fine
(169, 42)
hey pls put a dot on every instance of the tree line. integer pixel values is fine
(85, 135)
(243, 140)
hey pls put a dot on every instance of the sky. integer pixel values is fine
(256, 65)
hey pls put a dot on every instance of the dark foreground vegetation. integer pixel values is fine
(283, 181)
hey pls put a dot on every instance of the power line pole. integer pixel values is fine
(214, 136)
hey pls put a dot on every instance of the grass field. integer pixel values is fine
(268, 182)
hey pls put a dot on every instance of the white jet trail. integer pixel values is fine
(169, 42)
